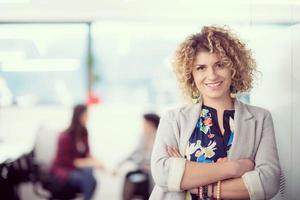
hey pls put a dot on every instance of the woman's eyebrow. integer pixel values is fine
(200, 65)
(217, 62)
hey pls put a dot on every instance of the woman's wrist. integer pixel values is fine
(209, 190)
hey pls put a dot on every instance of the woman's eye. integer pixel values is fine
(200, 68)
(219, 65)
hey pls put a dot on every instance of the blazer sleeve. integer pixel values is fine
(263, 181)
(167, 171)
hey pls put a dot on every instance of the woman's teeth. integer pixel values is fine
(213, 85)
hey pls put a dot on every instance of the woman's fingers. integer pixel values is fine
(194, 191)
(173, 152)
(225, 159)
(169, 151)
(176, 152)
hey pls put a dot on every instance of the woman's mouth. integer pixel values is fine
(214, 85)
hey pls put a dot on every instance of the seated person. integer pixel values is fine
(73, 163)
(139, 182)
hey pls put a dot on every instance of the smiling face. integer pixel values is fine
(212, 79)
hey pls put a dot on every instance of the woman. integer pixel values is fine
(72, 166)
(217, 147)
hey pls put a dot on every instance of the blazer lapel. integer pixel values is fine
(190, 116)
(244, 127)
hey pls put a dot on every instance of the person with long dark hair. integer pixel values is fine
(73, 164)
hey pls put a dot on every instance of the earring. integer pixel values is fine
(196, 97)
(233, 92)
(232, 95)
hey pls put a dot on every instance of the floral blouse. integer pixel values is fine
(207, 144)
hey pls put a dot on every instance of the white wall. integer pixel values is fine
(295, 134)
(277, 91)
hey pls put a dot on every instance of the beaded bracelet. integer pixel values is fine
(200, 192)
(205, 191)
(219, 190)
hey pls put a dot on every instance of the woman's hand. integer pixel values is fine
(88, 162)
(194, 191)
(173, 152)
(98, 164)
(241, 166)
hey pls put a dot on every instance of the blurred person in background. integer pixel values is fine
(138, 183)
(73, 164)
(217, 146)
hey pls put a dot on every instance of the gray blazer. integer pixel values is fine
(254, 138)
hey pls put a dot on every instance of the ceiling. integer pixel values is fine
(173, 11)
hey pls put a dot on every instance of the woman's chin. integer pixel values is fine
(216, 96)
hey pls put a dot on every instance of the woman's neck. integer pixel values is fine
(220, 104)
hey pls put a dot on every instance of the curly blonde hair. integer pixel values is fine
(231, 51)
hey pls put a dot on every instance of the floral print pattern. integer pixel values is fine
(207, 143)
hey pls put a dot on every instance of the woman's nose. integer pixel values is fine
(211, 73)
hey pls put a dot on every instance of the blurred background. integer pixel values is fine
(116, 56)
